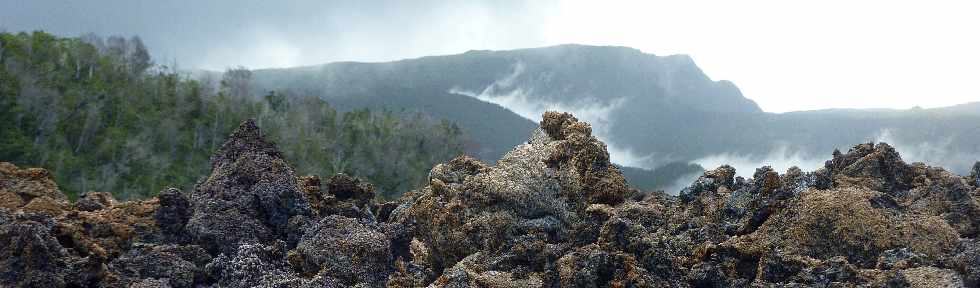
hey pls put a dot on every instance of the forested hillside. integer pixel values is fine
(102, 116)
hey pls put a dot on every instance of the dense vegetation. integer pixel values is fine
(103, 117)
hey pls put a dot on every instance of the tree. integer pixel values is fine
(235, 82)
(88, 116)
(14, 145)
(138, 56)
(277, 101)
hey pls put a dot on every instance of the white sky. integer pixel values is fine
(799, 55)
(785, 55)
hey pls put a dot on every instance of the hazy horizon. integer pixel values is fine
(911, 55)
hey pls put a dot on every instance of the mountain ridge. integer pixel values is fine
(651, 110)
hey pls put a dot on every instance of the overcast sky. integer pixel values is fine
(785, 55)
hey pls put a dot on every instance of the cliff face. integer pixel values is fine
(553, 212)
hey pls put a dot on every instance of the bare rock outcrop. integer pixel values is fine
(354, 251)
(30, 255)
(250, 197)
(522, 214)
(30, 190)
(172, 265)
(877, 219)
(554, 212)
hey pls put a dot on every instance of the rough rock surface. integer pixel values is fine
(250, 197)
(30, 190)
(551, 213)
(176, 266)
(355, 251)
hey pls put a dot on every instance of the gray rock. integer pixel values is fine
(30, 255)
(177, 266)
(352, 250)
(249, 197)
(260, 265)
(92, 201)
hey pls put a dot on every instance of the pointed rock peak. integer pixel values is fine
(975, 174)
(246, 139)
(577, 149)
(456, 170)
(863, 153)
(246, 129)
(561, 125)
(250, 197)
(30, 189)
(877, 167)
(724, 175)
(345, 187)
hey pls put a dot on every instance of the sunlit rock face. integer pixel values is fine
(524, 213)
(552, 212)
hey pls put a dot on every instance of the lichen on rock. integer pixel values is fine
(30, 190)
(553, 212)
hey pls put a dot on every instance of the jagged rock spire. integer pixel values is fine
(250, 196)
(247, 139)
(534, 191)
(876, 166)
(975, 175)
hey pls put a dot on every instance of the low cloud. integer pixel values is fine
(682, 182)
(940, 153)
(780, 159)
(521, 100)
(935, 153)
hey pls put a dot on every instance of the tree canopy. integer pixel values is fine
(103, 117)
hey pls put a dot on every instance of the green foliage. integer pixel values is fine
(102, 118)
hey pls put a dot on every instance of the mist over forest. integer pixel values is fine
(662, 118)
(651, 111)
(506, 143)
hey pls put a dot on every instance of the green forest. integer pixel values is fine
(102, 116)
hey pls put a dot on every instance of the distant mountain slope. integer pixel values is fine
(651, 110)
(526, 81)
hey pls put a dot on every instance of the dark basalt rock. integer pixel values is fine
(355, 251)
(551, 213)
(966, 261)
(30, 255)
(249, 198)
(974, 178)
(92, 201)
(344, 195)
(261, 265)
(174, 266)
(173, 214)
(591, 266)
(349, 188)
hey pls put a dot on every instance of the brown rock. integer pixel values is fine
(19, 187)
(46, 205)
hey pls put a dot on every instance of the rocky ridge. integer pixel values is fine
(553, 212)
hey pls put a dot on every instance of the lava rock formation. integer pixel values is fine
(553, 212)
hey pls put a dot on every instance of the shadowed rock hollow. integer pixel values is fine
(553, 212)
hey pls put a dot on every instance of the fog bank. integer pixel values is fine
(521, 100)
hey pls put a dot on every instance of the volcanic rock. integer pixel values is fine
(250, 196)
(92, 201)
(523, 213)
(30, 190)
(554, 212)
